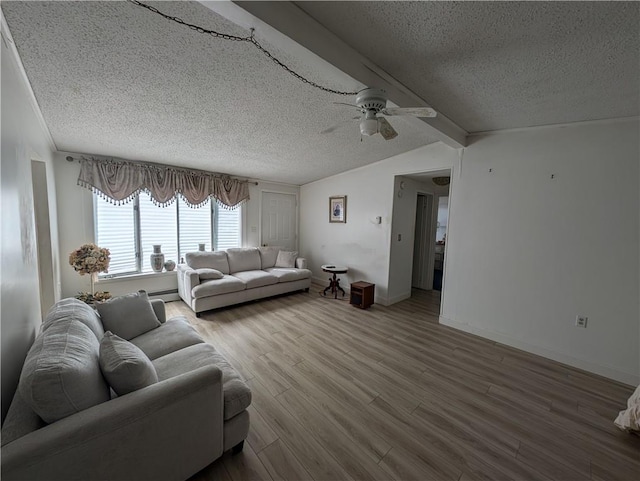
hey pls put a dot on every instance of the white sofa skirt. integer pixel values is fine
(222, 300)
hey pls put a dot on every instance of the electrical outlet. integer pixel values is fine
(399, 237)
(581, 321)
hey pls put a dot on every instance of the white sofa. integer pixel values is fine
(209, 280)
(168, 430)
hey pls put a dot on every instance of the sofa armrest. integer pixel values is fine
(191, 280)
(169, 430)
(301, 263)
(159, 310)
(188, 276)
(187, 280)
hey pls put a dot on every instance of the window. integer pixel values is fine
(228, 228)
(129, 231)
(115, 230)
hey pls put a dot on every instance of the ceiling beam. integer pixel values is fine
(288, 27)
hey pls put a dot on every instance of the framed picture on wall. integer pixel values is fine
(338, 209)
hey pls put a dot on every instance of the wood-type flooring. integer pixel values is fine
(389, 394)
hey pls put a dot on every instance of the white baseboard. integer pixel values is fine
(401, 297)
(606, 371)
(383, 301)
(320, 281)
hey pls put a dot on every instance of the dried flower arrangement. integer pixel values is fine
(91, 259)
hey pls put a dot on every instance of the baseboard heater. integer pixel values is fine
(166, 295)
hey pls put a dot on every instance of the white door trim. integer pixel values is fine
(44, 245)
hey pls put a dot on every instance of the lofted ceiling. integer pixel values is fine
(501, 65)
(114, 79)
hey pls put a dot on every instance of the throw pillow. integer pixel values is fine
(61, 374)
(125, 367)
(205, 274)
(286, 259)
(128, 316)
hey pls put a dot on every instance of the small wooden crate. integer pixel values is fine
(362, 294)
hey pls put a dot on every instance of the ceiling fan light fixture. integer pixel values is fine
(441, 180)
(372, 104)
(369, 123)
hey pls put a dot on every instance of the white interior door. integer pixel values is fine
(422, 242)
(279, 216)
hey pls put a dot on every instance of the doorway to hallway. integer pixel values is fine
(420, 277)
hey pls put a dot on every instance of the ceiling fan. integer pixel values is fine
(372, 103)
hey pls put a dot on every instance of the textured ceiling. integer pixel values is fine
(114, 79)
(499, 65)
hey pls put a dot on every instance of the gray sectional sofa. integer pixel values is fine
(67, 423)
(209, 280)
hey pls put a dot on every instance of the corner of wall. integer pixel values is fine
(602, 370)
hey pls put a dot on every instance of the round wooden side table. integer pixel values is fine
(334, 282)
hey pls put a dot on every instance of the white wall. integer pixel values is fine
(23, 139)
(76, 225)
(361, 244)
(75, 222)
(527, 253)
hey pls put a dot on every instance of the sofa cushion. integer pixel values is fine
(206, 274)
(128, 316)
(61, 374)
(285, 274)
(268, 255)
(286, 259)
(237, 395)
(244, 259)
(256, 278)
(171, 336)
(208, 260)
(218, 286)
(72, 308)
(124, 365)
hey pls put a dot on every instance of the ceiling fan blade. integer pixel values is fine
(348, 105)
(338, 125)
(385, 129)
(415, 111)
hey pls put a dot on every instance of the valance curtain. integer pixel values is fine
(121, 180)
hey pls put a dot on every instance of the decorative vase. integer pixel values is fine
(157, 259)
(201, 247)
(169, 265)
